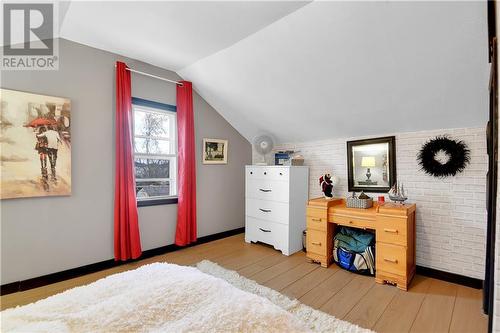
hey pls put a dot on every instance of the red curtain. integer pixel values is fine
(127, 237)
(186, 208)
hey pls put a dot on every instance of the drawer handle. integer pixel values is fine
(281, 173)
(315, 220)
(395, 261)
(265, 210)
(265, 173)
(251, 172)
(316, 243)
(350, 222)
(393, 231)
(264, 190)
(264, 230)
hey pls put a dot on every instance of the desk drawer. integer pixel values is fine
(391, 230)
(317, 223)
(391, 258)
(317, 242)
(317, 212)
(353, 221)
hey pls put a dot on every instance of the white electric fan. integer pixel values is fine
(263, 144)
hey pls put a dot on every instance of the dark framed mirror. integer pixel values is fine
(371, 164)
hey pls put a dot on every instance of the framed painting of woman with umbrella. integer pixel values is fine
(35, 145)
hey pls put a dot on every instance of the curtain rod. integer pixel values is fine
(153, 76)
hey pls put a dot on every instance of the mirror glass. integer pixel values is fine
(371, 165)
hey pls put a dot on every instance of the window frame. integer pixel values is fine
(160, 108)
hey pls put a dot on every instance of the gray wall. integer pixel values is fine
(45, 235)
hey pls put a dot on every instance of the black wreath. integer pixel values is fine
(458, 152)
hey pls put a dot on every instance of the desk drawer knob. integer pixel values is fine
(315, 220)
(350, 222)
(316, 243)
(394, 261)
(392, 231)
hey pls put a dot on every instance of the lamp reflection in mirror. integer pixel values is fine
(368, 162)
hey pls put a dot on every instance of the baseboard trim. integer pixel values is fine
(450, 277)
(44, 280)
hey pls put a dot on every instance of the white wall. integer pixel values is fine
(451, 212)
(46, 235)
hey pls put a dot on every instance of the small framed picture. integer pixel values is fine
(214, 151)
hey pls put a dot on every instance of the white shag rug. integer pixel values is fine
(314, 320)
(171, 298)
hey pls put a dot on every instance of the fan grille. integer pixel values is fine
(263, 144)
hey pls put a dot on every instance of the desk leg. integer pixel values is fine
(387, 278)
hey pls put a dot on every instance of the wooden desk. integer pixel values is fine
(394, 227)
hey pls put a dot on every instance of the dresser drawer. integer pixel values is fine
(391, 258)
(269, 173)
(268, 210)
(391, 230)
(317, 242)
(316, 223)
(353, 221)
(275, 234)
(267, 190)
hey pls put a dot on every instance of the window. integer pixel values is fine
(155, 151)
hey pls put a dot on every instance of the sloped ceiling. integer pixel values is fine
(309, 70)
(169, 34)
(344, 69)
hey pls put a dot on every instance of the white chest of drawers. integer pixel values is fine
(276, 198)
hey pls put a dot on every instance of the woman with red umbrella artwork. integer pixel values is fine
(42, 146)
(35, 145)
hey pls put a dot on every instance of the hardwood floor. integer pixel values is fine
(429, 305)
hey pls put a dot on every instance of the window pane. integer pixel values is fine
(151, 124)
(151, 189)
(151, 146)
(151, 168)
(154, 134)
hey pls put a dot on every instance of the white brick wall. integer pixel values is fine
(451, 212)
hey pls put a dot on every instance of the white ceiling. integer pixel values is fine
(345, 69)
(305, 71)
(169, 34)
